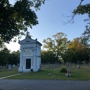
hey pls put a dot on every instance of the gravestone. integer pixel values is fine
(0, 67)
(13, 66)
(78, 66)
(49, 74)
(6, 66)
(9, 67)
(89, 63)
(57, 65)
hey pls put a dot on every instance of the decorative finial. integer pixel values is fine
(28, 35)
(36, 39)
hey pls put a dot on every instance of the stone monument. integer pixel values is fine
(30, 55)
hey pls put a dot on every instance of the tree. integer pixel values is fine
(58, 45)
(2, 46)
(48, 44)
(13, 58)
(9, 58)
(68, 56)
(77, 52)
(4, 56)
(84, 9)
(48, 57)
(14, 19)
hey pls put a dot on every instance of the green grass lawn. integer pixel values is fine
(76, 74)
(4, 72)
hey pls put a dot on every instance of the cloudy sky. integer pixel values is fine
(52, 16)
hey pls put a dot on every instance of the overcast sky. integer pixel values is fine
(51, 17)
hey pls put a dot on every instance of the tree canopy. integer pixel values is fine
(58, 44)
(62, 49)
(77, 52)
(14, 19)
(81, 10)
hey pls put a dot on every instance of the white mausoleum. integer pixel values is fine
(30, 55)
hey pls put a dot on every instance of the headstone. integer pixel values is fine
(49, 74)
(13, 66)
(89, 64)
(9, 67)
(78, 66)
(6, 66)
(0, 67)
(57, 65)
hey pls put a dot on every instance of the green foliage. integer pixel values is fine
(86, 35)
(13, 58)
(4, 56)
(48, 57)
(77, 51)
(63, 70)
(57, 44)
(1, 44)
(81, 10)
(16, 18)
(9, 58)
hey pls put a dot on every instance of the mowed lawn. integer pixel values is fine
(5, 72)
(76, 74)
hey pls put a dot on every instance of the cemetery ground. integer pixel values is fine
(76, 74)
(5, 72)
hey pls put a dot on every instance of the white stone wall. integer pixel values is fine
(38, 63)
(38, 50)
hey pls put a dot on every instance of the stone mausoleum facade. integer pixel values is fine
(30, 55)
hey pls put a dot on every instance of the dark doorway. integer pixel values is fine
(28, 63)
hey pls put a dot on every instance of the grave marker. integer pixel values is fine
(9, 67)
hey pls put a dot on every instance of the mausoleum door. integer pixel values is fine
(28, 63)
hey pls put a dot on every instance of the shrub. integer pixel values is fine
(63, 70)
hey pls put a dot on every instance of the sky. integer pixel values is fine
(51, 17)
